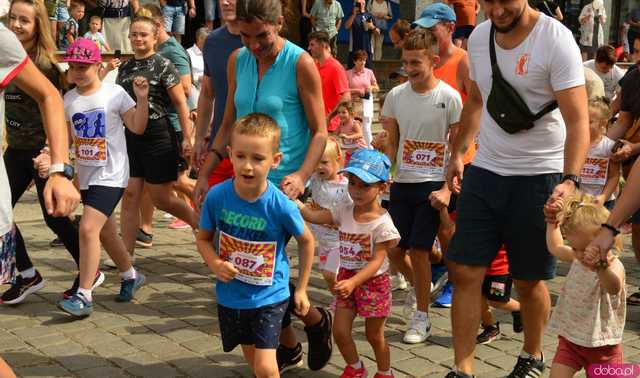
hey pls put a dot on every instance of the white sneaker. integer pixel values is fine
(398, 282)
(418, 332)
(410, 304)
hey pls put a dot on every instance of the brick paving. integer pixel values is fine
(171, 328)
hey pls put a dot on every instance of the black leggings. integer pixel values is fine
(19, 165)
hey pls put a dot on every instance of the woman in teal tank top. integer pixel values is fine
(273, 76)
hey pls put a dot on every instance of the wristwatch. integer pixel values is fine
(64, 168)
(576, 180)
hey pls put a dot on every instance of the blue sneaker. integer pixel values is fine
(129, 287)
(76, 305)
(439, 276)
(444, 300)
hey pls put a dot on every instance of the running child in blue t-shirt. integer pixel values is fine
(245, 224)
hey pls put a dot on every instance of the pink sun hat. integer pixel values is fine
(83, 50)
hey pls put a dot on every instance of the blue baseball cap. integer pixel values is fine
(369, 166)
(433, 14)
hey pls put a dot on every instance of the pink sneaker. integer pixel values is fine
(179, 224)
(350, 372)
(378, 375)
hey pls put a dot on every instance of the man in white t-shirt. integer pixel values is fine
(61, 197)
(604, 65)
(514, 173)
(418, 116)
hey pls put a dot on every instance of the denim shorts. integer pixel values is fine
(174, 18)
(257, 326)
(494, 210)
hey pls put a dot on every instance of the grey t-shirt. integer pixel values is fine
(12, 61)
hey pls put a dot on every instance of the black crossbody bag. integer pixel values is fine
(505, 105)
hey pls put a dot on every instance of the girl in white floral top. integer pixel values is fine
(590, 314)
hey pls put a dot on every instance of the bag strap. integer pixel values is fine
(495, 70)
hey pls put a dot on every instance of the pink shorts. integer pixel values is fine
(370, 300)
(329, 259)
(579, 357)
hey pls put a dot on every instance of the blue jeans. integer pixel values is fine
(209, 10)
(174, 18)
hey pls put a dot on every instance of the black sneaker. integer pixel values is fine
(56, 243)
(22, 288)
(289, 358)
(455, 374)
(527, 367)
(319, 338)
(76, 283)
(517, 322)
(488, 334)
(144, 240)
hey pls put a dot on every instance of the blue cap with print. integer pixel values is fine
(369, 166)
(433, 14)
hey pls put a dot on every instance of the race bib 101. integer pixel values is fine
(90, 137)
(255, 261)
(355, 250)
(424, 157)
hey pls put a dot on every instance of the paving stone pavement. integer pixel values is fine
(171, 328)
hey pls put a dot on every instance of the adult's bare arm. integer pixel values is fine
(60, 196)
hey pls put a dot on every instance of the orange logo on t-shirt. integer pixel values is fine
(522, 66)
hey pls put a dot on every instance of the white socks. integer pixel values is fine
(29, 273)
(86, 293)
(129, 274)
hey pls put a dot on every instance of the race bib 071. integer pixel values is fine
(423, 156)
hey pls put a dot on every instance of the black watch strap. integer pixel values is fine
(609, 227)
(576, 180)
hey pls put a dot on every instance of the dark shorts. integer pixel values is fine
(154, 155)
(259, 326)
(411, 211)
(463, 32)
(635, 218)
(495, 210)
(183, 165)
(497, 288)
(102, 198)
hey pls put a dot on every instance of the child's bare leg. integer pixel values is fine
(91, 224)
(265, 364)
(511, 306)
(374, 328)
(329, 278)
(249, 355)
(114, 245)
(486, 315)
(561, 371)
(342, 328)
